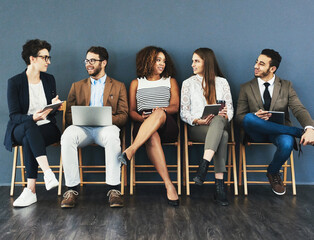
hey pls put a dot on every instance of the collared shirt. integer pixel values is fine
(97, 91)
(193, 100)
(262, 86)
(270, 89)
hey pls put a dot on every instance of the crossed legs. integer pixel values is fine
(148, 134)
(281, 136)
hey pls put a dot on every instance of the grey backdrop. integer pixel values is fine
(236, 30)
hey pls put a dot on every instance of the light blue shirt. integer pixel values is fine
(97, 91)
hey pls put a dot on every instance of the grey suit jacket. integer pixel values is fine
(284, 98)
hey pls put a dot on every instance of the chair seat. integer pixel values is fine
(101, 168)
(18, 150)
(191, 168)
(245, 168)
(149, 168)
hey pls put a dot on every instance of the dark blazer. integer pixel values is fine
(18, 102)
(284, 98)
(114, 95)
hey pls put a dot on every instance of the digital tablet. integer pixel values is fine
(277, 117)
(54, 106)
(211, 109)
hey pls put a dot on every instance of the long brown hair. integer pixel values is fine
(211, 70)
(146, 59)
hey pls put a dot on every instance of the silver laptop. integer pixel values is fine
(91, 116)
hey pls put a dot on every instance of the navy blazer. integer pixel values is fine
(18, 102)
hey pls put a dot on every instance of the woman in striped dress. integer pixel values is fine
(154, 102)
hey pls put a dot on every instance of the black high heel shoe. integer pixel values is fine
(123, 158)
(173, 203)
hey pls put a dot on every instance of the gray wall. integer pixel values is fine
(236, 30)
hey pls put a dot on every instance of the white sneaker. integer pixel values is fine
(50, 180)
(26, 198)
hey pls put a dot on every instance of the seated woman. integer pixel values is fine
(29, 125)
(206, 87)
(154, 101)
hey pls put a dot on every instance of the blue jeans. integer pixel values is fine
(280, 135)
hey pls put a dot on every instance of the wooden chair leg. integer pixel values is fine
(183, 171)
(13, 171)
(22, 166)
(60, 177)
(234, 164)
(187, 170)
(122, 179)
(244, 170)
(229, 165)
(294, 190)
(240, 165)
(80, 165)
(132, 178)
(285, 170)
(179, 167)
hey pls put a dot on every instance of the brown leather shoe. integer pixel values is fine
(276, 183)
(69, 199)
(115, 198)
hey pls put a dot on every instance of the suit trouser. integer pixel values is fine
(34, 140)
(215, 136)
(78, 136)
(280, 135)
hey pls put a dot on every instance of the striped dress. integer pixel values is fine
(152, 94)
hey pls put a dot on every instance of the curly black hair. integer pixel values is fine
(145, 61)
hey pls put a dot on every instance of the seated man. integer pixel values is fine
(98, 90)
(267, 92)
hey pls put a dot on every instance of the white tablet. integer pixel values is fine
(54, 106)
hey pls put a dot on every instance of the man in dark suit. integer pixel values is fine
(267, 92)
(97, 90)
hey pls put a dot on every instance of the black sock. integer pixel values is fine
(114, 187)
(75, 188)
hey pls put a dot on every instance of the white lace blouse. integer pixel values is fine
(193, 100)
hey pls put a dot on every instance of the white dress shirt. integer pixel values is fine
(193, 100)
(262, 86)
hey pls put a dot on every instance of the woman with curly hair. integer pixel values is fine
(154, 102)
(208, 86)
(29, 125)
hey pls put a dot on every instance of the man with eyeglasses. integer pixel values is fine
(97, 90)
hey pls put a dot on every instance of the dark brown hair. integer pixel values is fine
(32, 47)
(211, 69)
(101, 51)
(146, 59)
(275, 57)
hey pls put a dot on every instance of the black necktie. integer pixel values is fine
(267, 98)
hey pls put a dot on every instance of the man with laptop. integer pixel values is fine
(265, 100)
(97, 108)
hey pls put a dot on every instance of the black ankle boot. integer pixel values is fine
(220, 195)
(201, 172)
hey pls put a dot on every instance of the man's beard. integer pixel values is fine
(96, 71)
(264, 74)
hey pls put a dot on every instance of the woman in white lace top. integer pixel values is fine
(208, 86)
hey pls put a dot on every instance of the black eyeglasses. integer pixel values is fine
(46, 58)
(92, 61)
